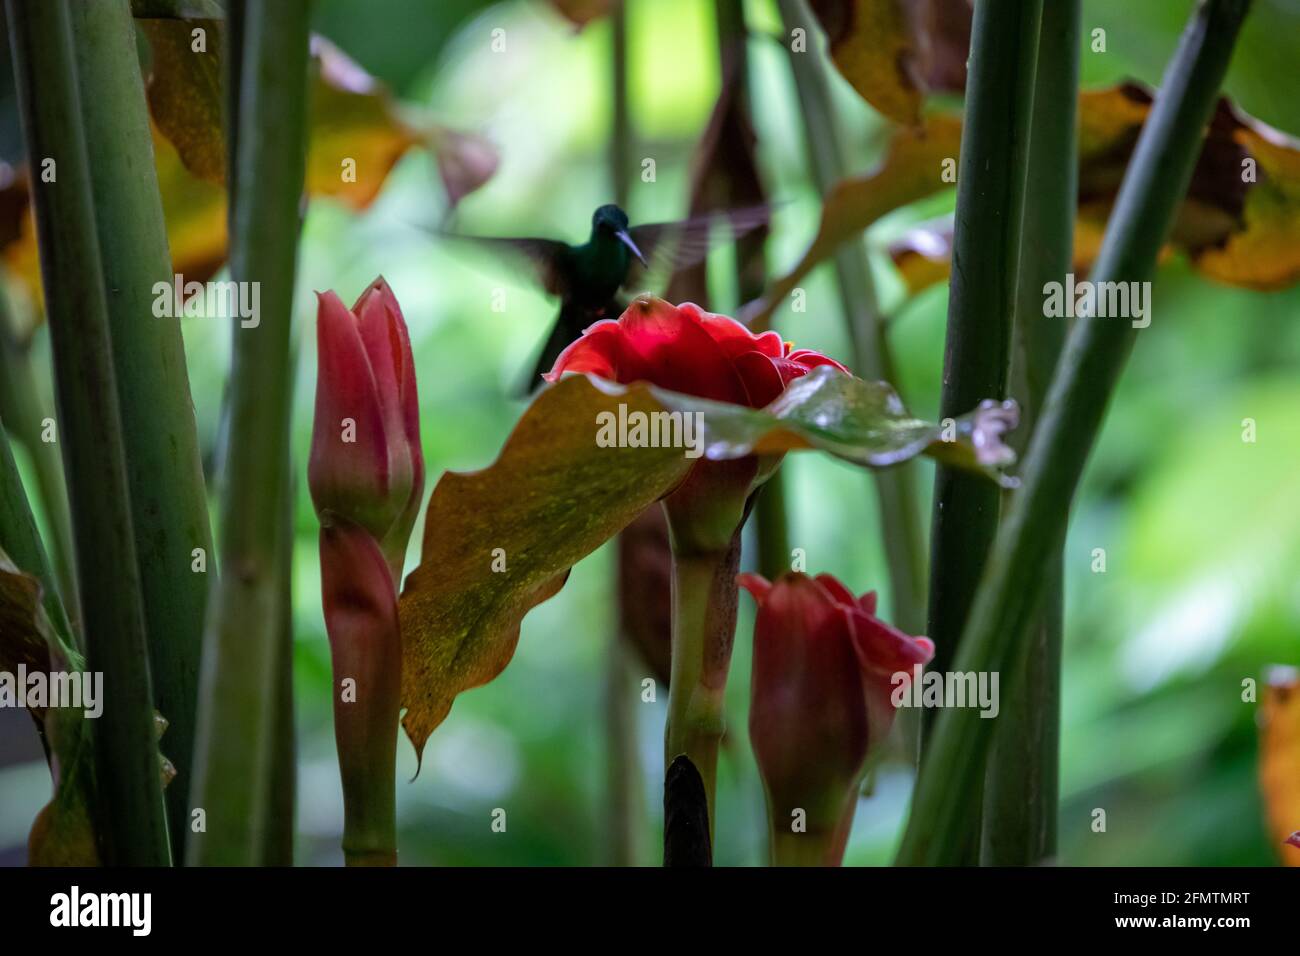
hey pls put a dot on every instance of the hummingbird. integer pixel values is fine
(617, 260)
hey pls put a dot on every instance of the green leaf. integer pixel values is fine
(551, 498)
(859, 421)
(498, 542)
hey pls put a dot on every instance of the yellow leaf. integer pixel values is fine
(550, 499)
(185, 91)
(911, 169)
(875, 47)
(500, 541)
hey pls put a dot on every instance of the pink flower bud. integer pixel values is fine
(823, 671)
(366, 465)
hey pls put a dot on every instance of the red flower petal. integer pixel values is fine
(807, 715)
(340, 472)
(763, 383)
(884, 649)
(758, 586)
(838, 592)
(596, 353)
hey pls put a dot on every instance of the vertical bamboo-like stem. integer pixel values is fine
(1021, 781)
(1094, 356)
(982, 294)
(704, 610)
(131, 820)
(282, 781)
(624, 809)
(981, 306)
(168, 501)
(899, 510)
(237, 710)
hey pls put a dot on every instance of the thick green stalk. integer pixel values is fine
(704, 623)
(981, 307)
(168, 500)
(803, 849)
(131, 820)
(900, 517)
(237, 709)
(24, 410)
(1021, 781)
(771, 527)
(1154, 185)
(982, 294)
(282, 797)
(705, 516)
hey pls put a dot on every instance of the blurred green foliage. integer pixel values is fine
(1201, 530)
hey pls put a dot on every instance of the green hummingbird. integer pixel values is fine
(617, 261)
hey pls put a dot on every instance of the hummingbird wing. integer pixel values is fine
(544, 261)
(669, 246)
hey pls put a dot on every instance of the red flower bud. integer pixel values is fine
(820, 700)
(688, 350)
(366, 465)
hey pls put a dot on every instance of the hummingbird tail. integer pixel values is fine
(556, 342)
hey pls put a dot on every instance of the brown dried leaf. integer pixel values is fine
(911, 169)
(554, 496)
(1239, 232)
(185, 93)
(893, 52)
(582, 12)
(62, 834)
(1279, 759)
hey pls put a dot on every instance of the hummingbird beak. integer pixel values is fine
(624, 238)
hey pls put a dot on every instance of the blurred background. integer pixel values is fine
(1200, 530)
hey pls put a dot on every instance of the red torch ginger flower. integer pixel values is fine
(824, 669)
(366, 465)
(685, 349)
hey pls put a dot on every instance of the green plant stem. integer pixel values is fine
(237, 711)
(982, 295)
(705, 516)
(900, 516)
(704, 619)
(981, 306)
(131, 820)
(771, 527)
(625, 805)
(1094, 356)
(169, 506)
(1021, 780)
(282, 797)
(23, 410)
(822, 846)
